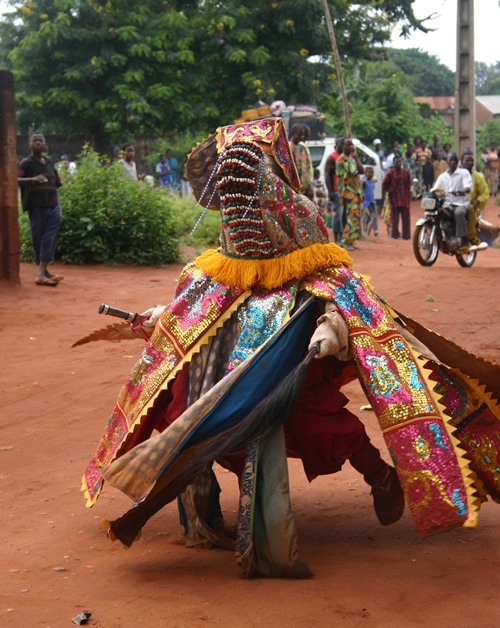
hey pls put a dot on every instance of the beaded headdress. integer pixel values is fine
(270, 233)
(202, 161)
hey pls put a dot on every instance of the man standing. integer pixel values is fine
(171, 162)
(333, 190)
(39, 182)
(457, 184)
(397, 184)
(348, 170)
(421, 154)
(377, 147)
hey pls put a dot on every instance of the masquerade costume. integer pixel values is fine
(241, 320)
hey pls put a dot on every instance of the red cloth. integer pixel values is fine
(335, 184)
(397, 184)
(321, 431)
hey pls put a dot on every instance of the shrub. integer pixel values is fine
(109, 218)
(27, 254)
(207, 232)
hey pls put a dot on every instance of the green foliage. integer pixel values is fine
(488, 79)
(187, 212)
(426, 75)
(115, 69)
(27, 254)
(487, 134)
(109, 218)
(382, 105)
(207, 232)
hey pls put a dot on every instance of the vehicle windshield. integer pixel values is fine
(317, 153)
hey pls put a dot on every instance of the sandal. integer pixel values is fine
(57, 278)
(46, 281)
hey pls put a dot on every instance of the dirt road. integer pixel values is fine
(55, 561)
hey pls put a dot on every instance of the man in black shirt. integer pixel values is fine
(39, 182)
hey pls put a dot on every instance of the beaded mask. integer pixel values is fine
(262, 216)
(202, 161)
(254, 184)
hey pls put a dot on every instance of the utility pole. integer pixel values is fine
(465, 79)
(9, 222)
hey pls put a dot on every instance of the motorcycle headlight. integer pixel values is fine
(428, 203)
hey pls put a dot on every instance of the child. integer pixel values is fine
(370, 218)
(319, 190)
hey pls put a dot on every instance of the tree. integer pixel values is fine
(382, 105)
(426, 75)
(115, 69)
(96, 67)
(488, 78)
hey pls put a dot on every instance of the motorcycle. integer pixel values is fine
(435, 233)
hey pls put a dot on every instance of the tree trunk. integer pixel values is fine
(9, 221)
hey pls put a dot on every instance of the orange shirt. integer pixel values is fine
(422, 154)
(492, 159)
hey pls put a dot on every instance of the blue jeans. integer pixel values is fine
(44, 227)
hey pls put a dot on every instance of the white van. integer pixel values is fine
(321, 149)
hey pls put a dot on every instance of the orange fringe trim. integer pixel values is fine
(270, 273)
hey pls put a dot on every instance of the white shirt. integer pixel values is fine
(130, 169)
(458, 181)
(389, 161)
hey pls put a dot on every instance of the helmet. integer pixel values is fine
(377, 141)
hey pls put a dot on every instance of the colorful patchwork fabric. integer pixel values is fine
(432, 468)
(270, 134)
(476, 420)
(199, 309)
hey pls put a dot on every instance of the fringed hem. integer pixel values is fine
(468, 476)
(270, 273)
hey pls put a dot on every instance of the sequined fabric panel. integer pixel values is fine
(291, 219)
(186, 319)
(260, 317)
(388, 372)
(477, 426)
(434, 488)
(400, 394)
(195, 309)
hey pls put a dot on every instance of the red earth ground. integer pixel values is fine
(56, 562)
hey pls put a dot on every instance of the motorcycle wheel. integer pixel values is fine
(425, 249)
(466, 260)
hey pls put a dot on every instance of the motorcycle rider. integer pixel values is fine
(478, 197)
(456, 183)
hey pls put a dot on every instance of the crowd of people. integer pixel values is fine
(347, 198)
